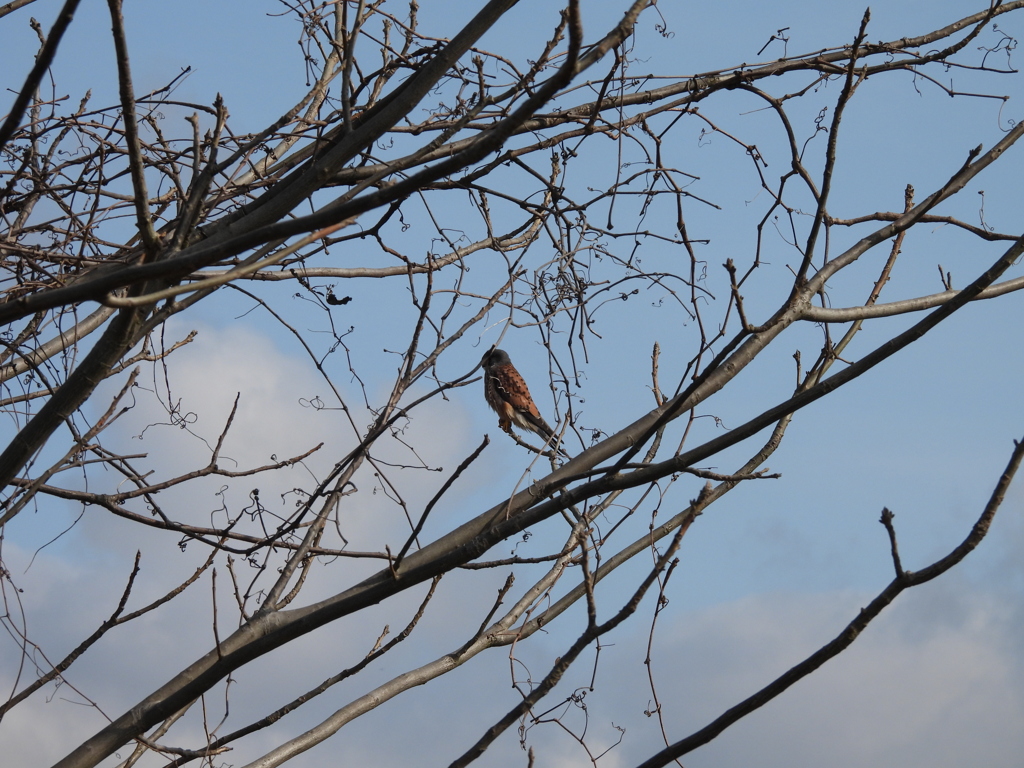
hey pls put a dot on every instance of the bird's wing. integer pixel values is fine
(513, 390)
(510, 386)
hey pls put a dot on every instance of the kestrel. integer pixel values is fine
(508, 395)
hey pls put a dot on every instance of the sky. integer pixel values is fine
(769, 574)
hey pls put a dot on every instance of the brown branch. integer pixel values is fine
(984, 234)
(43, 61)
(13, 6)
(131, 132)
(850, 83)
(847, 314)
(886, 520)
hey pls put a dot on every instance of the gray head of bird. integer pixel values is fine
(496, 357)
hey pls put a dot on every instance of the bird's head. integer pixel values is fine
(496, 357)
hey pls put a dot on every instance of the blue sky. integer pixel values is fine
(768, 574)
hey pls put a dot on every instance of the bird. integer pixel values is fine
(506, 392)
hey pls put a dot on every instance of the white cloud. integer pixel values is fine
(935, 682)
(74, 584)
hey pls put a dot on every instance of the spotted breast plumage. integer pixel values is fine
(508, 395)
